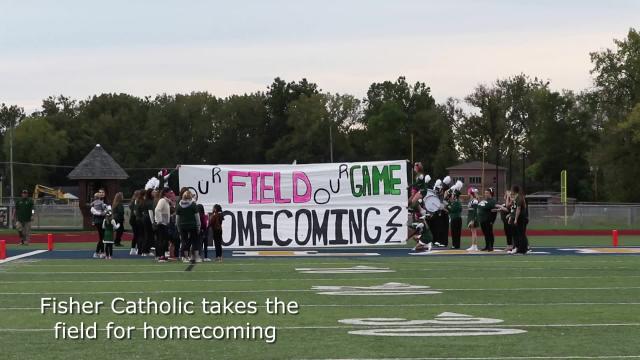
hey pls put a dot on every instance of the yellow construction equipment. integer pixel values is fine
(41, 189)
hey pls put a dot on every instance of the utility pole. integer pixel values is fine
(11, 200)
(330, 142)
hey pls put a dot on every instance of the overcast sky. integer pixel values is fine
(83, 47)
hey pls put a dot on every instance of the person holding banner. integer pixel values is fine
(215, 222)
(188, 221)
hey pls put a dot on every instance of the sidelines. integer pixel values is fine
(16, 257)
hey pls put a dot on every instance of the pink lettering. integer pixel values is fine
(297, 197)
(264, 187)
(232, 183)
(277, 192)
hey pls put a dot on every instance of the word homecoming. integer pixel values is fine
(174, 306)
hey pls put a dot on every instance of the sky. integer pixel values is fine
(79, 48)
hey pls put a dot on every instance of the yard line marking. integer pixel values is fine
(364, 326)
(31, 253)
(297, 290)
(495, 358)
(411, 305)
(311, 279)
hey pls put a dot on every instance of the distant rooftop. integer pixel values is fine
(98, 165)
(475, 165)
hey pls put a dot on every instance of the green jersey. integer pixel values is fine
(472, 214)
(24, 209)
(484, 210)
(455, 209)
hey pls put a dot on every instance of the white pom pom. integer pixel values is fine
(458, 185)
(447, 180)
(152, 183)
(427, 178)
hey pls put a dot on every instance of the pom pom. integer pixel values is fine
(152, 183)
(447, 180)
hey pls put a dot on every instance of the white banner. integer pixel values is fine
(315, 205)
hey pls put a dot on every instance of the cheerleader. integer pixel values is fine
(109, 225)
(422, 235)
(472, 218)
(419, 187)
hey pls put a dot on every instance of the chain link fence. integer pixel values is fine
(601, 216)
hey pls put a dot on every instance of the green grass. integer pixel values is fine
(531, 291)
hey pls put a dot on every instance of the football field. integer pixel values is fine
(385, 306)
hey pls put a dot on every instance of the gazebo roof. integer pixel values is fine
(98, 165)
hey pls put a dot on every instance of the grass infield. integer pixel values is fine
(570, 306)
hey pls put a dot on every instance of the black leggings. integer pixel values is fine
(163, 240)
(189, 239)
(134, 229)
(109, 249)
(508, 232)
(217, 242)
(100, 244)
(119, 232)
(456, 232)
(520, 237)
(149, 236)
(487, 230)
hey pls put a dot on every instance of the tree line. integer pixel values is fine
(518, 122)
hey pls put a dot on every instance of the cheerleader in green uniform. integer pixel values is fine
(421, 184)
(472, 218)
(109, 225)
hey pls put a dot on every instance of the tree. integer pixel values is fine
(617, 79)
(35, 140)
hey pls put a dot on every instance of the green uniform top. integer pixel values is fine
(426, 237)
(186, 213)
(118, 213)
(421, 184)
(108, 227)
(472, 215)
(484, 210)
(524, 213)
(24, 209)
(455, 209)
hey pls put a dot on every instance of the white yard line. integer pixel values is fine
(414, 305)
(495, 358)
(366, 326)
(21, 256)
(310, 279)
(303, 290)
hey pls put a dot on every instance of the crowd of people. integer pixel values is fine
(165, 226)
(437, 209)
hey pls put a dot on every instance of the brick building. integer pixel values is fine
(471, 174)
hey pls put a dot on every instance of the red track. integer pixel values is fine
(91, 236)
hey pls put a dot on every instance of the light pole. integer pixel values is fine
(330, 142)
(11, 203)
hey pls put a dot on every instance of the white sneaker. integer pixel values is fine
(186, 260)
(206, 259)
(429, 246)
(133, 251)
(101, 255)
(475, 247)
(96, 256)
(513, 251)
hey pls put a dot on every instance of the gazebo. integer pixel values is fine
(96, 171)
